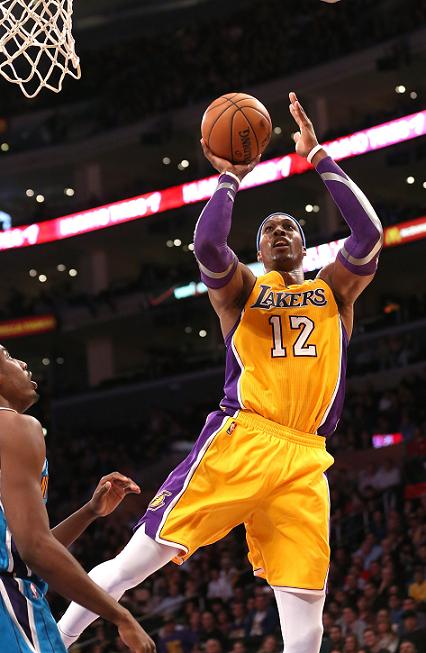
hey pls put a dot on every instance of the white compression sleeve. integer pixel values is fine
(301, 620)
(138, 560)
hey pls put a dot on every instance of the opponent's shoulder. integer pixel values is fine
(20, 433)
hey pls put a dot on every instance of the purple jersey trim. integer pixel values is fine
(177, 481)
(329, 425)
(232, 402)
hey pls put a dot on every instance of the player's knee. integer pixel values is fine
(303, 640)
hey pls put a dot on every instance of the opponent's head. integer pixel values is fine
(280, 242)
(17, 390)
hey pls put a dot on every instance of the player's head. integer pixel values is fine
(17, 390)
(280, 242)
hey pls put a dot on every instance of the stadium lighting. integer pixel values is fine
(5, 147)
(191, 245)
(410, 180)
(61, 267)
(400, 89)
(73, 272)
(42, 278)
(184, 163)
(309, 208)
(29, 192)
(45, 361)
(69, 192)
(278, 130)
(424, 184)
(413, 95)
(202, 333)
(32, 273)
(40, 199)
(188, 329)
(169, 243)
(177, 242)
(166, 160)
(315, 208)
(60, 360)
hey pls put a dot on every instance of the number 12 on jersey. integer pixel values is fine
(300, 346)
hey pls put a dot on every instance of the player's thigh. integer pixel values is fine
(211, 493)
(288, 537)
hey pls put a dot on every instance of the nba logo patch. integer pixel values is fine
(231, 428)
(159, 500)
(34, 590)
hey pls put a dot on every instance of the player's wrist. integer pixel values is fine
(232, 174)
(315, 154)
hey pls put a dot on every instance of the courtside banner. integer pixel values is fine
(405, 232)
(27, 326)
(356, 144)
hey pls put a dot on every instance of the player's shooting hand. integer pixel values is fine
(110, 492)
(222, 165)
(305, 137)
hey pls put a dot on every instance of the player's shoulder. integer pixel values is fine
(16, 429)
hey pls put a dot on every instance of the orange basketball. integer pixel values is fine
(236, 127)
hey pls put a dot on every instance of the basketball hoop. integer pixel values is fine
(37, 48)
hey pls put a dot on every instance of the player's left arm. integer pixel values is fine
(109, 493)
(356, 263)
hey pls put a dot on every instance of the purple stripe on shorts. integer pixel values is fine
(19, 604)
(168, 493)
(330, 424)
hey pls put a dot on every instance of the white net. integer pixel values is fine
(37, 48)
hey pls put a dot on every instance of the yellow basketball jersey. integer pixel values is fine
(286, 356)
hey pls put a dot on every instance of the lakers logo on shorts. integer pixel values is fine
(231, 428)
(159, 500)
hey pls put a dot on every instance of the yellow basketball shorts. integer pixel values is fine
(247, 469)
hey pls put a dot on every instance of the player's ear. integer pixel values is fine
(259, 256)
(304, 251)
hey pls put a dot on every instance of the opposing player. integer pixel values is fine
(260, 459)
(26, 623)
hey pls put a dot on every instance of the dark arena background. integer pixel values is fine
(101, 187)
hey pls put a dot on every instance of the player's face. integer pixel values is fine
(281, 245)
(16, 386)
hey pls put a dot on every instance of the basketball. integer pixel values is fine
(236, 127)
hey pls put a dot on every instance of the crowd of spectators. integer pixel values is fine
(376, 598)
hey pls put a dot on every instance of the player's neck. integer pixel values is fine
(291, 277)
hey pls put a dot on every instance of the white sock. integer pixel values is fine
(138, 560)
(300, 619)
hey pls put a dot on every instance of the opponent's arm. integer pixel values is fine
(109, 493)
(229, 282)
(356, 262)
(22, 453)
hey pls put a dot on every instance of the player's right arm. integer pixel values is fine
(22, 454)
(229, 282)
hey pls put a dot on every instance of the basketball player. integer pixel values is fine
(260, 459)
(26, 623)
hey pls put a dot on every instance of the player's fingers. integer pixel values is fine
(296, 115)
(296, 136)
(302, 113)
(292, 97)
(105, 488)
(132, 488)
(116, 476)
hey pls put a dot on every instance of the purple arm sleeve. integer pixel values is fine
(215, 258)
(360, 252)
